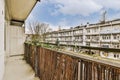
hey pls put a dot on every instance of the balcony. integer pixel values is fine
(14, 14)
(45, 62)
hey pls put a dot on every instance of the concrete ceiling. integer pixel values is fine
(18, 10)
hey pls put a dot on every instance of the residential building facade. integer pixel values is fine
(102, 35)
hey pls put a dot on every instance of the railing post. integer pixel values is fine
(36, 61)
(79, 70)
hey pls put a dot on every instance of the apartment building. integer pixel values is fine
(102, 35)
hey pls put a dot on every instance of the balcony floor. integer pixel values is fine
(17, 69)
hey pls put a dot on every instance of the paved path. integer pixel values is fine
(17, 69)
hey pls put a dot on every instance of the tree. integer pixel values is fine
(44, 28)
(37, 31)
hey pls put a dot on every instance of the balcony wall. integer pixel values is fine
(56, 65)
(1, 39)
(15, 38)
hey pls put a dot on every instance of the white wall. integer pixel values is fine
(15, 38)
(1, 39)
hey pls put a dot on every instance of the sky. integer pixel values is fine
(71, 13)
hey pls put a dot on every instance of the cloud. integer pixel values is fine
(52, 26)
(115, 16)
(79, 7)
(67, 13)
(75, 7)
(82, 7)
(109, 4)
(63, 22)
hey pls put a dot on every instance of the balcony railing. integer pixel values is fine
(56, 65)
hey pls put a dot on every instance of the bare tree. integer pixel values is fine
(44, 28)
(37, 30)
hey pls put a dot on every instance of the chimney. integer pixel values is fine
(87, 24)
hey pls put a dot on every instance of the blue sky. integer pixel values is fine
(72, 13)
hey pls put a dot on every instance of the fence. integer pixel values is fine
(54, 65)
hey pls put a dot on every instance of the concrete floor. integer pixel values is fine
(17, 69)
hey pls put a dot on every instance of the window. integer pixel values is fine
(108, 37)
(88, 44)
(88, 31)
(118, 36)
(95, 29)
(104, 37)
(117, 46)
(88, 37)
(116, 55)
(115, 37)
